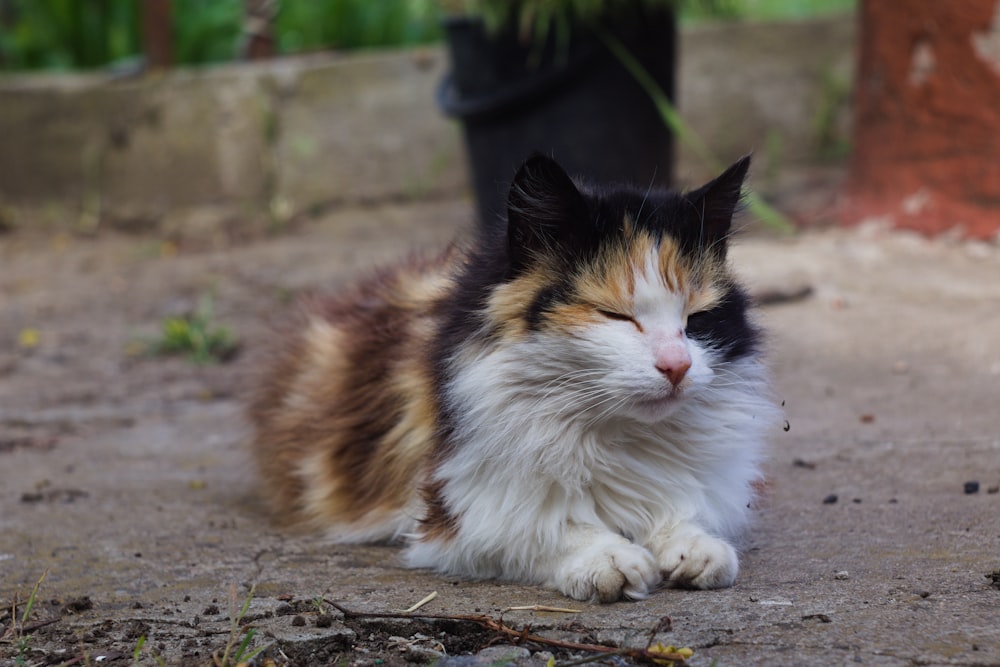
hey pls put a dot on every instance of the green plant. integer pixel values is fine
(305, 25)
(236, 651)
(63, 34)
(137, 653)
(206, 31)
(836, 94)
(195, 336)
(17, 630)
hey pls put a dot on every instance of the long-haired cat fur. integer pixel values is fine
(576, 401)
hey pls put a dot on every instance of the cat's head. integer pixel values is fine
(626, 292)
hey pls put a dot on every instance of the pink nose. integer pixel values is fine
(674, 366)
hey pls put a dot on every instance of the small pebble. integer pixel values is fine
(830, 499)
(856, 501)
(972, 487)
(298, 621)
(993, 489)
(867, 419)
(324, 621)
(842, 575)
(924, 594)
(501, 654)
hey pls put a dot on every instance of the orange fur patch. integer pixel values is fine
(346, 418)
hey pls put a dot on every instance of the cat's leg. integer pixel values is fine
(689, 557)
(595, 564)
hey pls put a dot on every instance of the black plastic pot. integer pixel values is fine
(572, 101)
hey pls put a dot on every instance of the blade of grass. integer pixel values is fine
(31, 598)
(668, 113)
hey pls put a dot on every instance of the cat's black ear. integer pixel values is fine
(545, 211)
(712, 206)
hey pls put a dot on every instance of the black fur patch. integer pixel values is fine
(726, 327)
(543, 301)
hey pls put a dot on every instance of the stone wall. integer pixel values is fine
(244, 146)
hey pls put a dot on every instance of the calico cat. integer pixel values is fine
(576, 401)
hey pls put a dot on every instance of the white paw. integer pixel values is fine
(607, 571)
(694, 559)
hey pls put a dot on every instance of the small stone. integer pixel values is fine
(842, 575)
(299, 621)
(211, 610)
(867, 419)
(503, 654)
(924, 594)
(972, 487)
(77, 605)
(830, 499)
(324, 621)
(993, 489)
(856, 501)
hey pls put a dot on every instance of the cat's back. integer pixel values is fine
(345, 415)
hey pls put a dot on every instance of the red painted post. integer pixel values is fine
(926, 152)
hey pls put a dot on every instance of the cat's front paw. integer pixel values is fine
(694, 559)
(609, 571)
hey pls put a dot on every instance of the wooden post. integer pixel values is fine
(926, 152)
(157, 33)
(258, 29)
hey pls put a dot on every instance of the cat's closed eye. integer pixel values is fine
(614, 315)
(618, 316)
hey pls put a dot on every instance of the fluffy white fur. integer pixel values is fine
(579, 466)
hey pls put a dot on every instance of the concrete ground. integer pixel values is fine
(124, 479)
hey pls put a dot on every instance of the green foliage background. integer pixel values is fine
(85, 34)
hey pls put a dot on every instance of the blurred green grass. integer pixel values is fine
(86, 34)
